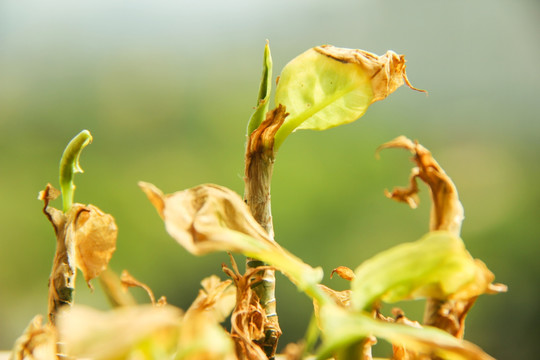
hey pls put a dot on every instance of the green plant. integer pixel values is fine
(321, 88)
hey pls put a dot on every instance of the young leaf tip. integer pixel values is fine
(69, 165)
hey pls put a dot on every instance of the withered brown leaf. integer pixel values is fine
(248, 320)
(387, 72)
(85, 239)
(343, 272)
(37, 342)
(91, 234)
(446, 210)
(205, 218)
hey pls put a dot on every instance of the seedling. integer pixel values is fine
(321, 88)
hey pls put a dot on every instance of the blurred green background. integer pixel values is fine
(167, 87)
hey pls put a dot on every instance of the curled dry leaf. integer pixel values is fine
(248, 320)
(85, 239)
(446, 214)
(216, 296)
(201, 336)
(343, 272)
(446, 210)
(386, 72)
(37, 342)
(205, 218)
(128, 281)
(400, 351)
(92, 235)
(209, 218)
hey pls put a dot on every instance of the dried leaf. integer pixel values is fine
(128, 281)
(94, 334)
(328, 86)
(85, 239)
(210, 218)
(446, 214)
(446, 210)
(436, 266)
(91, 234)
(37, 342)
(201, 336)
(343, 272)
(341, 298)
(206, 218)
(248, 319)
(216, 296)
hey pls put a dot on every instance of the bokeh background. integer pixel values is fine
(167, 87)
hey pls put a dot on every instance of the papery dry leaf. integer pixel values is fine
(446, 210)
(205, 218)
(248, 319)
(91, 234)
(85, 239)
(387, 72)
(446, 214)
(128, 281)
(38, 342)
(343, 272)
(209, 218)
(341, 298)
(400, 351)
(201, 336)
(216, 296)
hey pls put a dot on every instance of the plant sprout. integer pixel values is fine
(322, 88)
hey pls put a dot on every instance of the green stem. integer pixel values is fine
(69, 165)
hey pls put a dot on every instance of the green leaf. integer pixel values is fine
(436, 266)
(342, 329)
(69, 165)
(264, 92)
(320, 92)
(328, 86)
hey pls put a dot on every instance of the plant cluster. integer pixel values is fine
(322, 88)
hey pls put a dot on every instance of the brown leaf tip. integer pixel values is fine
(343, 272)
(387, 72)
(155, 196)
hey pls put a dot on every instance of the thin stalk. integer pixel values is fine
(62, 279)
(258, 177)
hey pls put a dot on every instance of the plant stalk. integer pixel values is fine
(258, 177)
